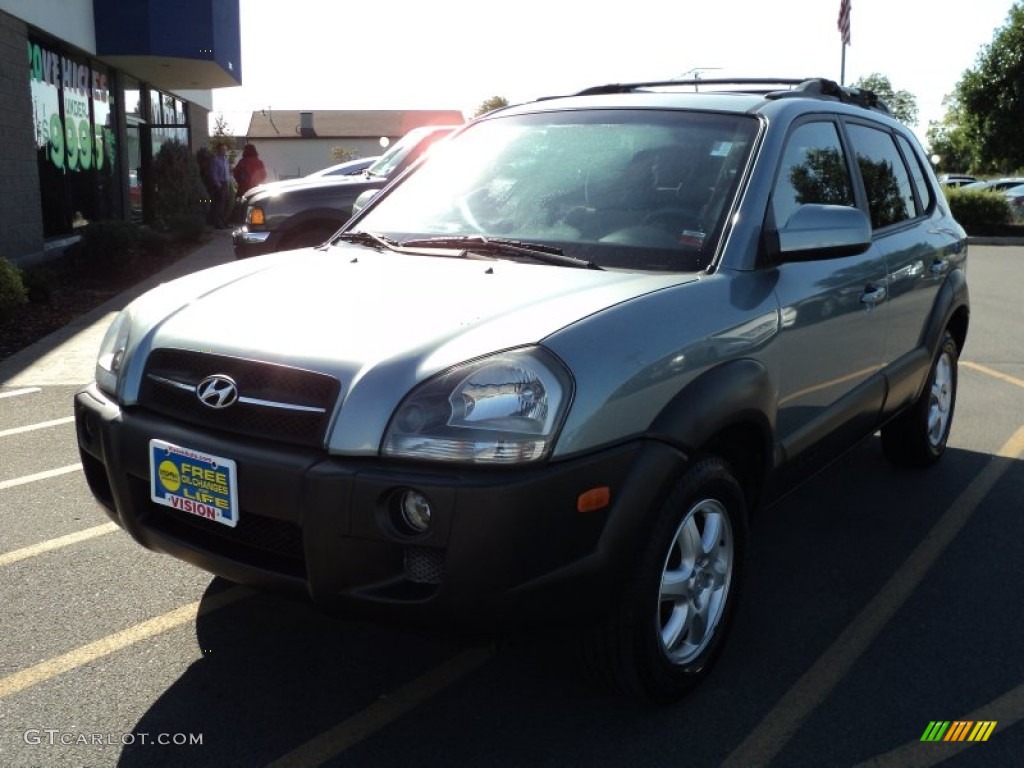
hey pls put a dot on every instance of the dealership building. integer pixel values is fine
(89, 90)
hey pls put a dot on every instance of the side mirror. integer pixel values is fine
(821, 232)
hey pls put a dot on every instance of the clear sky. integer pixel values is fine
(454, 54)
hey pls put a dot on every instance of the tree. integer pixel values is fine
(222, 134)
(948, 140)
(491, 104)
(991, 99)
(902, 104)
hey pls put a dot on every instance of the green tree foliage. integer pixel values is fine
(221, 134)
(949, 141)
(491, 104)
(902, 104)
(991, 99)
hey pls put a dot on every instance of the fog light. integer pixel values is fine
(416, 511)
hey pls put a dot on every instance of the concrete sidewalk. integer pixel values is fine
(68, 356)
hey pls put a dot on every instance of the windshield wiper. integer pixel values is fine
(498, 246)
(368, 239)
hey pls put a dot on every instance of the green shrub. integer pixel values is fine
(40, 281)
(978, 207)
(178, 191)
(106, 248)
(12, 289)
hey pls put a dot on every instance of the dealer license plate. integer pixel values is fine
(193, 482)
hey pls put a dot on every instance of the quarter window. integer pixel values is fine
(813, 170)
(924, 192)
(886, 180)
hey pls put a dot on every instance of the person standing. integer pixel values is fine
(249, 172)
(220, 171)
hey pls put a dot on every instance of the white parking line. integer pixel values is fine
(771, 735)
(52, 544)
(19, 392)
(384, 711)
(24, 480)
(33, 427)
(105, 646)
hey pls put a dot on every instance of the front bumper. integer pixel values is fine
(505, 545)
(246, 243)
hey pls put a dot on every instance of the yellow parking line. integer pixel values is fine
(383, 712)
(52, 544)
(993, 373)
(5, 484)
(765, 742)
(105, 646)
(33, 427)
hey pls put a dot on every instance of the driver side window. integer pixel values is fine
(813, 170)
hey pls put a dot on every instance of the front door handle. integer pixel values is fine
(873, 295)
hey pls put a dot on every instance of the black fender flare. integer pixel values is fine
(953, 297)
(735, 392)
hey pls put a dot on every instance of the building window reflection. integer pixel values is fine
(73, 112)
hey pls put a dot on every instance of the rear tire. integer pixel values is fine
(666, 630)
(917, 437)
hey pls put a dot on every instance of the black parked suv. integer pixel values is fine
(551, 373)
(308, 211)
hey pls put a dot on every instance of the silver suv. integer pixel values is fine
(549, 374)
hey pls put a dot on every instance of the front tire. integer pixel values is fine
(663, 635)
(917, 437)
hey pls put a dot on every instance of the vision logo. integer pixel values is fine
(958, 730)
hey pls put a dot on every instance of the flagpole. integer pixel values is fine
(842, 67)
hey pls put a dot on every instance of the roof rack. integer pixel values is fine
(791, 88)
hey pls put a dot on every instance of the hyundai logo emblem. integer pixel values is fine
(217, 391)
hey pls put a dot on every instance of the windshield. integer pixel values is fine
(397, 152)
(632, 189)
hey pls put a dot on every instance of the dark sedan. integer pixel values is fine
(307, 212)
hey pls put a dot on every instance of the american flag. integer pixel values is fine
(844, 21)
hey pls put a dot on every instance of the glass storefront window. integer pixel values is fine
(73, 112)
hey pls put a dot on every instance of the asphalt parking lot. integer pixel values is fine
(879, 603)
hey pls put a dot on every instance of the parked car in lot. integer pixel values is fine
(348, 168)
(306, 212)
(996, 185)
(956, 179)
(551, 375)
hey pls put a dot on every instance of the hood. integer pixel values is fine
(316, 187)
(379, 322)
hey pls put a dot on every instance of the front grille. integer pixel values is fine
(276, 402)
(260, 541)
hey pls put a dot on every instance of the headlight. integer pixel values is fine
(503, 409)
(110, 361)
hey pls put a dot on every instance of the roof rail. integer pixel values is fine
(769, 87)
(821, 88)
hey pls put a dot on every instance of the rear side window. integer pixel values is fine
(924, 192)
(886, 179)
(814, 170)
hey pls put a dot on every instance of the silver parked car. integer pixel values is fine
(550, 374)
